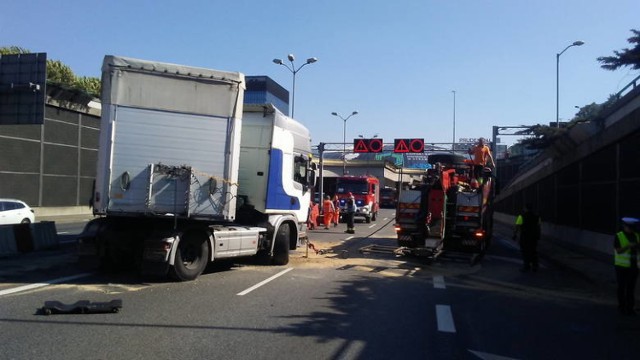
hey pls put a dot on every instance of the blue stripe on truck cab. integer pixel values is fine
(277, 197)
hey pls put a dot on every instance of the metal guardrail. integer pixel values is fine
(633, 84)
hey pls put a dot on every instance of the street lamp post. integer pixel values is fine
(294, 71)
(575, 43)
(344, 139)
(453, 143)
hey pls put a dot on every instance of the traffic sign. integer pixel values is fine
(374, 145)
(360, 146)
(408, 146)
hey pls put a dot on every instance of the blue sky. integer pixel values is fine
(395, 62)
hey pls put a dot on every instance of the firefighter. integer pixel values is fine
(528, 227)
(336, 214)
(312, 217)
(350, 211)
(626, 259)
(481, 153)
(328, 210)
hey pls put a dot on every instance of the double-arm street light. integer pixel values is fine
(344, 139)
(575, 43)
(294, 71)
(453, 143)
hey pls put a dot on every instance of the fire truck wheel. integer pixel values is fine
(281, 247)
(367, 219)
(191, 258)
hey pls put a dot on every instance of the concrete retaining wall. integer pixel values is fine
(595, 244)
(62, 211)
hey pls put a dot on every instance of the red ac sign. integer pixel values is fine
(367, 145)
(408, 146)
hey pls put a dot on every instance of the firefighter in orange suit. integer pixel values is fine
(336, 214)
(328, 210)
(313, 216)
(481, 154)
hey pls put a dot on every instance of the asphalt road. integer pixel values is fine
(340, 305)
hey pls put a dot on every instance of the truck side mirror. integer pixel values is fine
(311, 178)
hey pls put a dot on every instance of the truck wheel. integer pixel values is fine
(367, 219)
(281, 247)
(191, 259)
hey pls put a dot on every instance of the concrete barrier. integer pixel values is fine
(24, 238)
(44, 235)
(7, 241)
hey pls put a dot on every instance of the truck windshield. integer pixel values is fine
(387, 192)
(300, 170)
(344, 187)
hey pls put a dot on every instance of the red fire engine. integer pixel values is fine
(365, 190)
(448, 210)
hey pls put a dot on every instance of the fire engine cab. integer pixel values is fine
(365, 190)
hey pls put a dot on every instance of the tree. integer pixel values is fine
(10, 50)
(542, 136)
(624, 57)
(91, 84)
(60, 74)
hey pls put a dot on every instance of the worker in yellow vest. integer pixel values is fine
(626, 246)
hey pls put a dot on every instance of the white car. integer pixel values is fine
(15, 212)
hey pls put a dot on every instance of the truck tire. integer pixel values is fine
(281, 247)
(367, 219)
(191, 259)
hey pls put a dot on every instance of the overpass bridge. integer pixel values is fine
(586, 181)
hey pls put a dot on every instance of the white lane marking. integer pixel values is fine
(63, 232)
(445, 319)
(487, 356)
(372, 225)
(438, 282)
(350, 237)
(412, 272)
(385, 219)
(39, 285)
(245, 292)
(509, 244)
(350, 349)
(510, 260)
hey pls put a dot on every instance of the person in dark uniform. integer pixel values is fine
(528, 227)
(350, 211)
(626, 259)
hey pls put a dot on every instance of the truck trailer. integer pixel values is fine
(187, 174)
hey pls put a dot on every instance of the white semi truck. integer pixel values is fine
(188, 175)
